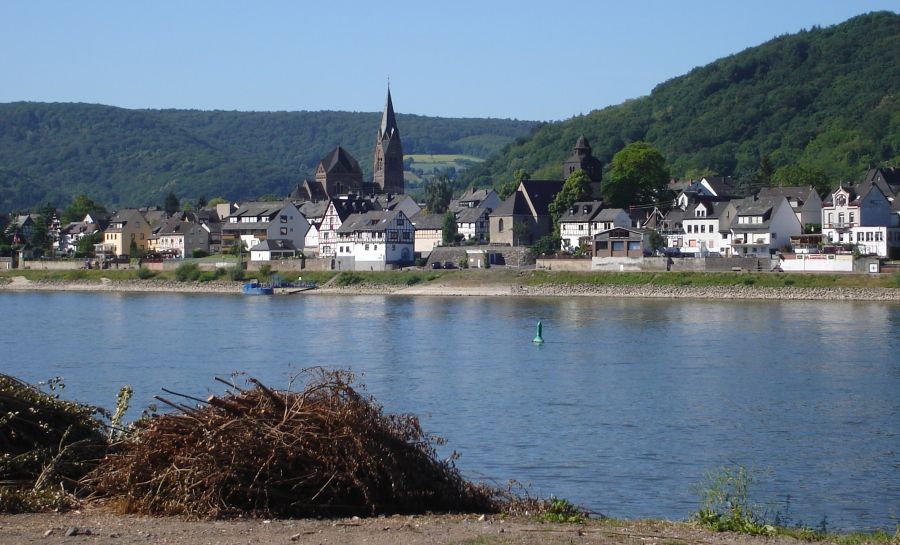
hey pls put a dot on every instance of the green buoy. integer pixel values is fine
(538, 339)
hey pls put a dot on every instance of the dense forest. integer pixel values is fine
(826, 99)
(121, 157)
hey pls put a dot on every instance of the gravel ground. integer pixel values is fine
(97, 527)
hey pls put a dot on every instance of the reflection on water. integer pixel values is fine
(623, 409)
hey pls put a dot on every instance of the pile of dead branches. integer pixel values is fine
(322, 451)
(46, 444)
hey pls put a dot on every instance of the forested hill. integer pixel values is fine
(121, 157)
(825, 98)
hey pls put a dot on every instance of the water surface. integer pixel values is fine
(623, 410)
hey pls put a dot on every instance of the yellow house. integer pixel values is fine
(124, 227)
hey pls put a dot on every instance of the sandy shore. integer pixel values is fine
(98, 527)
(442, 289)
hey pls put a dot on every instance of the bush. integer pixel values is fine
(235, 274)
(187, 272)
(144, 273)
(208, 276)
(265, 270)
(198, 253)
(726, 505)
(348, 279)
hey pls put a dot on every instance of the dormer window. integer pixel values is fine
(841, 200)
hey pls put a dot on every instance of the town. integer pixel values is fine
(339, 221)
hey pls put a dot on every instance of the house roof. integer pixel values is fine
(340, 160)
(723, 186)
(79, 227)
(314, 209)
(376, 220)
(610, 214)
(713, 210)
(581, 211)
(258, 209)
(471, 195)
(889, 175)
(423, 221)
(470, 215)
(125, 216)
(274, 244)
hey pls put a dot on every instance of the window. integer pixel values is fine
(603, 245)
(618, 245)
(500, 225)
(283, 230)
(852, 217)
(367, 247)
(581, 227)
(400, 222)
(406, 235)
(703, 228)
(283, 218)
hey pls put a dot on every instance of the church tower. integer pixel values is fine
(388, 153)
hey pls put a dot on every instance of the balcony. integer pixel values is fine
(841, 225)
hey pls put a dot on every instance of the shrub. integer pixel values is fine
(348, 279)
(265, 270)
(726, 505)
(208, 276)
(198, 253)
(144, 273)
(235, 274)
(562, 510)
(187, 272)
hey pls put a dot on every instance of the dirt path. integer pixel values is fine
(97, 527)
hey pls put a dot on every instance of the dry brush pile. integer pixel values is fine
(46, 446)
(325, 450)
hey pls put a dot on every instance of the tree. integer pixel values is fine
(85, 245)
(508, 188)
(449, 230)
(800, 176)
(765, 172)
(577, 187)
(546, 245)
(656, 240)
(171, 204)
(216, 200)
(438, 193)
(638, 176)
(81, 206)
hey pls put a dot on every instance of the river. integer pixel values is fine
(624, 409)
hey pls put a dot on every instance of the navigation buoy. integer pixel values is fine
(538, 339)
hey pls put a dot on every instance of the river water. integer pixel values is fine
(624, 409)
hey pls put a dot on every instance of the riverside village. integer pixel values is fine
(339, 221)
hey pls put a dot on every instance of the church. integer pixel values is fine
(338, 173)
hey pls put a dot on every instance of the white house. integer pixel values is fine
(429, 232)
(861, 215)
(180, 238)
(376, 241)
(585, 219)
(761, 225)
(701, 225)
(337, 211)
(273, 249)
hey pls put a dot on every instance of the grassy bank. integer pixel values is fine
(506, 277)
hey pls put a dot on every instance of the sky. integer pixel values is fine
(534, 60)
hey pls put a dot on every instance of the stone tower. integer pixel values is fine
(388, 153)
(583, 159)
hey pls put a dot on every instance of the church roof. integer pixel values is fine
(340, 160)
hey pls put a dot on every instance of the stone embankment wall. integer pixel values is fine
(505, 256)
(684, 264)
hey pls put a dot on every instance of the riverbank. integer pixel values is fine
(473, 286)
(93, 526)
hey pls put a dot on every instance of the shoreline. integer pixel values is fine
(440, 289)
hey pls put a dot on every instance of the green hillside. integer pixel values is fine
(121, 157)
(823, 98)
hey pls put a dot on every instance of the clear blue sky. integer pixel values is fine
(524, 59)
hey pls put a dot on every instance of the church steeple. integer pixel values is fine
(388, 119)
(388, 169)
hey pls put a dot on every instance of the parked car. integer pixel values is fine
(436, 265)
(449, 265)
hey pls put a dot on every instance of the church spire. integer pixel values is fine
(388, 168)
(388, 120)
